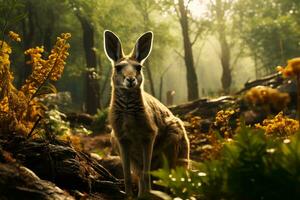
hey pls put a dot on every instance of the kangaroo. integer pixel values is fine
(143, 129)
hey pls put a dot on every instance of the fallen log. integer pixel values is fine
(61, 164)
(206, 108)
(273, 80)
(18, 182)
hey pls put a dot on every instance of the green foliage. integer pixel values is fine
(100, 120)
(251, 167)
(55, 123)
(270, 28)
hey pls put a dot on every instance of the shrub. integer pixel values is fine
(252, 166)
(20, 110)
(100, 121)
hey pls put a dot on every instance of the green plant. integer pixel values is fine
(55, 124)
(100, 120)
(252, 166)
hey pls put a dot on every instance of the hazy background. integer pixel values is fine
(224, 43)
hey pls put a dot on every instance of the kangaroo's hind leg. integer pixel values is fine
(176, 147)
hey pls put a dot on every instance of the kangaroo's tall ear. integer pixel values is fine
(143, 47)
(112, 46)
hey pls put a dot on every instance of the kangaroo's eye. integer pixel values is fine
(138, 67)
(119, 68)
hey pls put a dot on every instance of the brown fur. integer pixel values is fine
(143, 128)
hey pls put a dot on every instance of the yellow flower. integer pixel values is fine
(18, 110)
(4, 105)
(279, 125)
(5, 50)
(14, 36)
(43, 69)
(222, 121)
(292, 68)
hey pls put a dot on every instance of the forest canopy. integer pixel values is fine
(207, 47)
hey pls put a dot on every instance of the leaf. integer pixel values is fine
(46, 89)
(17, 18)
(162, 195)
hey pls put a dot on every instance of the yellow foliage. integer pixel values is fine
(5, 50)
(205, 145)
(195, 121)
(42, 69)
(262, 95)
(292, 68)
(74, 140)
(19, 110)
(4, 106)
(279, 125)
(222, 121)
(14, 36)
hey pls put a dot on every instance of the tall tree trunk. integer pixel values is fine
(191, 76)
(225, 62)
(147, 63)
(226, 78)
(149, 76)
(92, 84)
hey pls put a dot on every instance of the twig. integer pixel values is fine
(34, 127)
(178, 53)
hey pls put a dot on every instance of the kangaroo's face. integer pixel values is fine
(127, 74)
(127, 70)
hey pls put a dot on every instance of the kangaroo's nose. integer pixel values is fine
(130, 79)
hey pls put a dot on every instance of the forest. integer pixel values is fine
(227, 74)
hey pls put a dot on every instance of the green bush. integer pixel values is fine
(100, 121)
(252, 166)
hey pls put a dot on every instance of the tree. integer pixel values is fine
(191, 76)
(91, 82)
(223, 23)
(145, 8)
(270, 29)
(219, 9)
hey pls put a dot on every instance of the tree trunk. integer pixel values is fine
(147, 63)
(191, 76)
(149, 75)
(225, 62)
(170, 97)
(226, 78)
(92, 84)
(48, 32)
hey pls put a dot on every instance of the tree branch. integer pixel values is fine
(196, 36)
(179, 54)
(237, 58)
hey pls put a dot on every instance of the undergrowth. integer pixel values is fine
(20, 109)
(253, 165)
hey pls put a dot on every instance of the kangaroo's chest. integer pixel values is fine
(134, 127)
